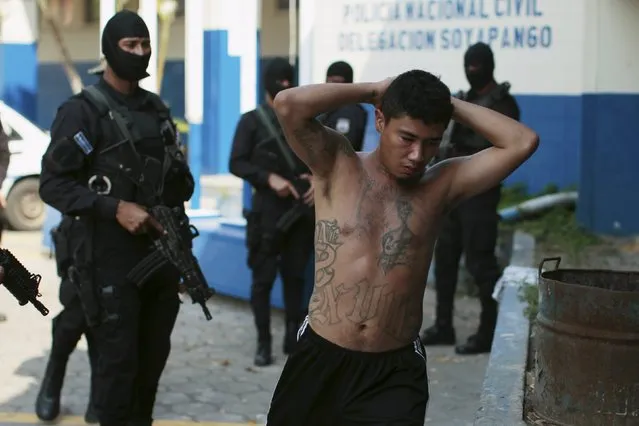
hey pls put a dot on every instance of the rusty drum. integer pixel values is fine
(587, 347)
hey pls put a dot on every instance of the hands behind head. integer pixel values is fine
(379, 88)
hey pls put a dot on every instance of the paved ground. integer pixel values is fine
(209, 377)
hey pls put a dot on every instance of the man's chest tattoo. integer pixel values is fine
(396, 243)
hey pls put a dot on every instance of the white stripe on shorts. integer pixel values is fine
(302, 328)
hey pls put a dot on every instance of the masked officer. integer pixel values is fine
(280, 225)
(471, 228)
(67, 328)
(349, 120)
(113, 154)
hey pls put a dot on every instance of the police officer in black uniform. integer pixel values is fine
(257, 156)
(471, 228)
(113, 154)
(66, 329)
(349, 120)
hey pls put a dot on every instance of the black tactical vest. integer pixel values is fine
(464, 140)
(121, 166)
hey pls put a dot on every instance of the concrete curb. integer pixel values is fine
(502, 397)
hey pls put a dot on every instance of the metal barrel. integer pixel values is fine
(587, 347)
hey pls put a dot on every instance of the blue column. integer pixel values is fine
(229, 77)
(19, 56)
(221, 100)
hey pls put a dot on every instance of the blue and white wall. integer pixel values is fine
(82, 39)
(608, 198)
(537, 47)
(18, 56)
(230, 75)
(573, 66)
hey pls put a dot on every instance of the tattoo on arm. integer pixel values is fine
(319, 145)
(396, 242)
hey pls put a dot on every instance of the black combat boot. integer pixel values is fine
(438, 334)
(263, 355)
(139, 423)
(476, 344)
(290, 336)
(90, 416)
(48, 401)
(482, 341)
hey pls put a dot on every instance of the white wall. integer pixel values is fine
(274, 29)
(548, 59)
(18, 22)
(615, 50)
(82, 38)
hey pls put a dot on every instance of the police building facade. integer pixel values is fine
(572, 65)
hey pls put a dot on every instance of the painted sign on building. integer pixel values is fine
(536, 42)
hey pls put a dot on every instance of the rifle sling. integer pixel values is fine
(288, 157)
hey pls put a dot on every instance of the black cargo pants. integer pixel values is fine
(67, 329)
(471, 229)
(134, 345)
(291, 260)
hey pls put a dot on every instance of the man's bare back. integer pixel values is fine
(373, 244)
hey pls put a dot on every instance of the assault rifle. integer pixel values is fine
(21, 283)
(171, 248)
(268, 241)
(272, 240)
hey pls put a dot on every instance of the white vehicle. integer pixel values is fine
(25, 210)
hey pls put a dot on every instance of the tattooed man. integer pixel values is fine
(359, 360)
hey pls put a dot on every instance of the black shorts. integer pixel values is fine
(323, 384)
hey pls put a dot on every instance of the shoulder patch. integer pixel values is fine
(343, 125)
(82, 142)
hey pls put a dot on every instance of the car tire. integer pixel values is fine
(25, 210)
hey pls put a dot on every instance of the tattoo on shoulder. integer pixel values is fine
(308, 138)
(396, 242)
(319, 142)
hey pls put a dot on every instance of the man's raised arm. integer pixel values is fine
(513, 143)
(316, 145)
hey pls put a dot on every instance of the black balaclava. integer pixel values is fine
(340, 69)
(127, 66)
(479, 55)
(277, 71)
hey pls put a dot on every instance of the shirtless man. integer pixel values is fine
(359, 360)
